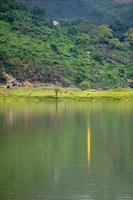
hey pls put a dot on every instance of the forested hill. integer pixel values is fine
(82, 53)
(109, 11)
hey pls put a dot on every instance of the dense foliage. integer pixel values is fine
(106, 11)
(79, 53)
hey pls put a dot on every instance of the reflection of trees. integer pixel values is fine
(52, 159)
(111, 157)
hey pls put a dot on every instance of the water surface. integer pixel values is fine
(66, 151)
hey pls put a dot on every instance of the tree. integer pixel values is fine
(114, 43)
(39, 13)
(83, 39)
(55, 48)
(2, 60)
(104, 33)
(129, 36)
(56, 90)
(72, 30)
(84, 85)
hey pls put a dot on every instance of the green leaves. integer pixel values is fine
(129, 36)
(83, 40)
(114, 42)
(81, 53)
(104, 33)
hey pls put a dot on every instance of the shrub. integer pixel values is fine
(84, 85)
(114, 43)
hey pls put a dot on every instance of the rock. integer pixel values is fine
(27, 84)
(56, 23)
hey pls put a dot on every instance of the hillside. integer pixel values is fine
(109, 11)
(82, 53)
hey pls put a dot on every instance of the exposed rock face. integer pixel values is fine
(27, 84)
(10, 81)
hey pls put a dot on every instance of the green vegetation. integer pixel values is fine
(79, 53)
(113, 12)
(49, 92)
(56, 90)
(84, 85)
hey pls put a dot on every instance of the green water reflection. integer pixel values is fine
(78, 151)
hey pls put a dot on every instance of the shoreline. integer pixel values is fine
(75, 94)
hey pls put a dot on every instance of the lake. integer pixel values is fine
(66, 150)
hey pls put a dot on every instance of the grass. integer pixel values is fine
(43, 92)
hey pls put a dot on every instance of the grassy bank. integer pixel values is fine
(42, 92)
